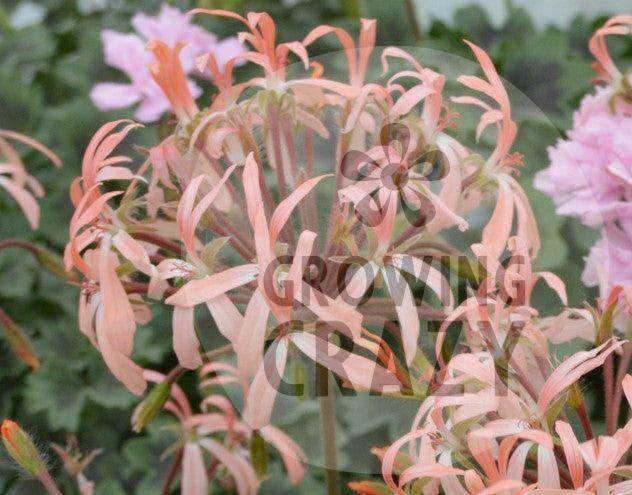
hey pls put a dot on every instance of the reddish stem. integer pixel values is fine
(171, 474)
(582, 413)
(19, 243)
(158, 240)
(624, 364)
(608, 383)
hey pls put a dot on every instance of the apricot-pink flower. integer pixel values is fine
(202, 432)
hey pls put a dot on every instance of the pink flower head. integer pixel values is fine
(609, 262)
(298, 255)
(590, 175)
(590, 172)
(128, 53)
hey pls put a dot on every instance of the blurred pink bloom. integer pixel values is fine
(590, 176)
(127, 53)
(609, 262)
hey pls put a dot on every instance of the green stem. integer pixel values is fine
(412, 16)
(51, 487)
(328, 425)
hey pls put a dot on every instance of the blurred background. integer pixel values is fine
(51, 56)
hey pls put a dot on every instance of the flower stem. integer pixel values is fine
(624, 364)
(328, 425)
(51, 487)
(584, 418)
(19, 243)
(608, 374)
(171, 474)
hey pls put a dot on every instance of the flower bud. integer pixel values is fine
(149, 408)
(299, 374)
(21, 448)
(369, 488)
(20, 344)
(575, 397)
(259, 455)
(53, 264)
(467, 269)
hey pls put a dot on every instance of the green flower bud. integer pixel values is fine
(149, 408)
(53, 264)
(21, 448)
(21, 345)
(259, 455)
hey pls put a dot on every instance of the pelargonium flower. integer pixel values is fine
(610, 260)
(499, 410)
(590, 174)
(16, 180)
(218, 432)
(296, 254)
(24, 189)
(128, 53)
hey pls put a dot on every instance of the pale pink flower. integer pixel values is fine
(226, 213)
(217, 430)
(609, 262)
(128, 53)
(590, 175)
(14, 178)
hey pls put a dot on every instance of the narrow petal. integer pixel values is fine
(251, 338)
(572, 369)
(242, 472)
(548, 475)
(406, 309)
(226, 316)
(204, 289)
(118, 315)
(359, 371)
(121, 366)
(410, 98)
(292, 455)
(572, 452)
(185, 341)
(555, 283)
(284, 209)
(263, 391)
(497, 230)
(26, 201)
(194, 477)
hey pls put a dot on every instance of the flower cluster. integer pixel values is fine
(126, 52)
(590, 175)
(297, 254)
(505, 416)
